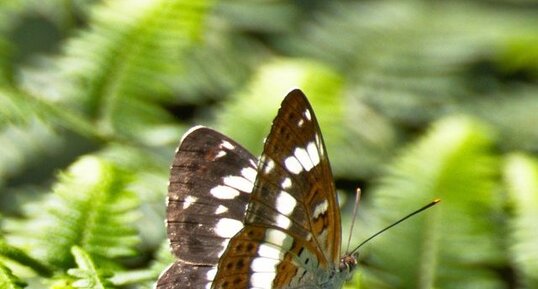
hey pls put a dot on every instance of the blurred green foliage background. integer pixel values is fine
(416, 99)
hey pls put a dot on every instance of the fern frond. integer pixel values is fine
(266, 90)
(20, 109)
(413, 61)
(149, 171)
(13, 108)
(21, 257)
(132, 52)
(223, 63)
(118, 71)
(90, 207)
(514, 117)
(146, 277)
(443, 247)
(26, 145)
(87, 274)
(345, 131)
(5, 53)
(521, 176)
(8, 280)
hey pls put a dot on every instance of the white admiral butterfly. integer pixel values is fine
(235, 222)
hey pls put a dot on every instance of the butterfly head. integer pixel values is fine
(348, 263)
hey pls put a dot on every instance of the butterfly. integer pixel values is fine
(234, 221)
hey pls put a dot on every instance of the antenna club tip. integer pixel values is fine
(434, 202)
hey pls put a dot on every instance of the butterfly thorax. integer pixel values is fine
(338, 275)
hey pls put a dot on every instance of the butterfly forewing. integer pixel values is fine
(210, 182)
(292, 225)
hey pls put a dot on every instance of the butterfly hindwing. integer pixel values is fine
(185, 275)
(210, 183)
(292, 224)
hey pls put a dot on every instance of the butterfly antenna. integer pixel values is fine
(433, 203)
(355, 207)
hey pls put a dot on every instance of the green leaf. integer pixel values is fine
(413, 61)
(119, 70)
(87, 274)
(21, 257)
(90, 207)
(26, 145)
(146, 277)
(260, 100)
(443, 246)
(339, 122)
(521, 175)
(13, 108)
(8, 280)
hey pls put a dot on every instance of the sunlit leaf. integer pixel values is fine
(442, 247)
(90, 208)
(521, 174)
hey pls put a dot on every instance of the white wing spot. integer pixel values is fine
(263, 280)
(293, 165)
(239, 183)
(252, 163)
(300, 123)
(283, 221)
(320, 209)
(220, 154)
(227, 144)
(227, 228)
(304, 159)
(278, 238)
(269, 166)
(308, 115)
(286, 183)
(318, 140)
(285, 203)
(210, 275)
(221, 209)
(249, 174)
(269, 251)
(224, 192)
(312, 150)
(318, 144)
(189, 200)
(266, 265)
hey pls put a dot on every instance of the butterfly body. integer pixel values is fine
(236, 222)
